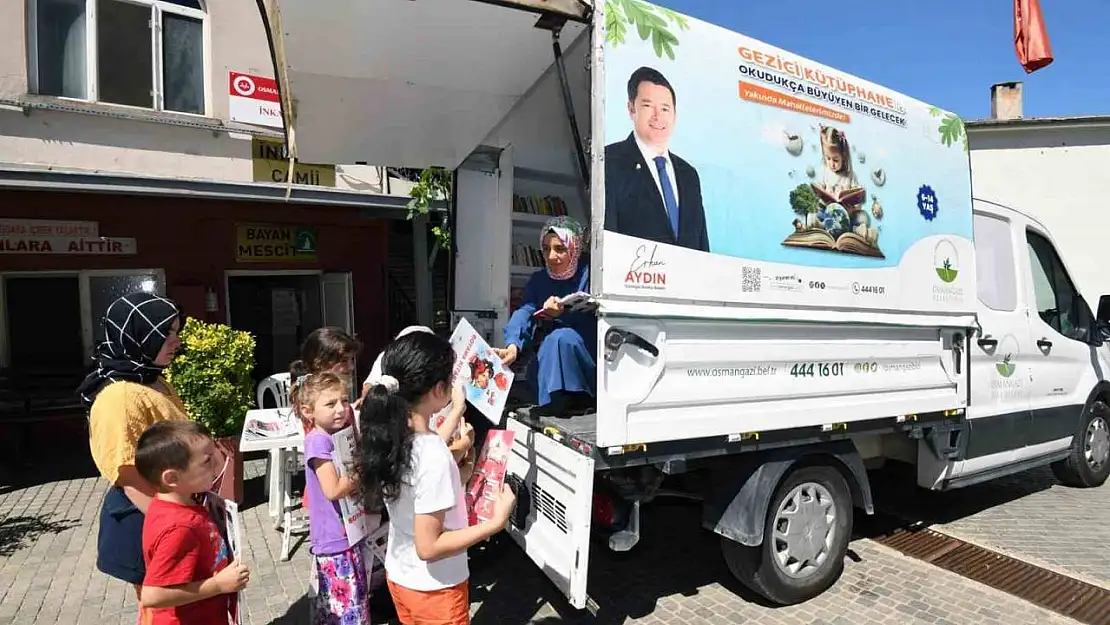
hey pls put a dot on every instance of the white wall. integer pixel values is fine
(1058, 176)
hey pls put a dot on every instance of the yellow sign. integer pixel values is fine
(274, 243)
(270, 161)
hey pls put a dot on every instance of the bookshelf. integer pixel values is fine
(537, 196)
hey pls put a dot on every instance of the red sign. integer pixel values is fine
(254, 100)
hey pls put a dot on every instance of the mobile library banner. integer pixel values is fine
(789, 182)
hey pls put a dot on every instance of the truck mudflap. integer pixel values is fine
(553, 510)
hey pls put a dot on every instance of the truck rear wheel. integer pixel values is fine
(1088, 464)
(805, 538)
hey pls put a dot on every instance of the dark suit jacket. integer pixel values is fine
(634, 206)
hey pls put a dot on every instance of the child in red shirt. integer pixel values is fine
(190, 577)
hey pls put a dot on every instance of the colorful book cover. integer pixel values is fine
(486, 380)
(489, 474)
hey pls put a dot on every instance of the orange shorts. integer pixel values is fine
(450, 606)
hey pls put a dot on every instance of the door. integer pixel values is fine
(998, 416)
(44, 323)
(100, 288)
(1060, 325)
(551, 522)
(337, 295)
(280, 310)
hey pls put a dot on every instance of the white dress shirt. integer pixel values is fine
(649, 157)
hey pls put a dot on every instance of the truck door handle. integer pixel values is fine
(1044, 343)
(614, 338)
(988, 343)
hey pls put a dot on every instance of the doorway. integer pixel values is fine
(44, 323)
(281, 308)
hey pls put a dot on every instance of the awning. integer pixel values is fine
(371, 205)
(408, 83)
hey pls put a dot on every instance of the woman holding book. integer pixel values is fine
(564, 372)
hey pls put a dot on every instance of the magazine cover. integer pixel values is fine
(266, 424)
(226, 515)
(487, 381)
(356, 520)
(489, 474)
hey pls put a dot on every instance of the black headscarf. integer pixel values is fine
(135, 329)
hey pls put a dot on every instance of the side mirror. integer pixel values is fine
(1102, 330)
(1103, 309)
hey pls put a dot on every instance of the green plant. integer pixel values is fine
(803, 200)
(212, 374)
(650, 22)
(951, 127)
(434, 185)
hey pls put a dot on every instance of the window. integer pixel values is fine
(144, 53)
(1057, 301)
(995, 272)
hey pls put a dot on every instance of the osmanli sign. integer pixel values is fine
(254, 100)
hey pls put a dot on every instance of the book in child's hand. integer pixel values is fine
(484, 486)
(846, 197)
(486, 380)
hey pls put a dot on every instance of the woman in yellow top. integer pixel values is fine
(126, 394)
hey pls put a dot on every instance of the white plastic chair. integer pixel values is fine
(283, 464)
(277, 386)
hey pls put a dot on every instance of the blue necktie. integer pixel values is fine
(669, 200)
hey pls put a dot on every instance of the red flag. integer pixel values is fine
(1030, 37)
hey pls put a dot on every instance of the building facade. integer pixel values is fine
(141, 147)
(1052, 169)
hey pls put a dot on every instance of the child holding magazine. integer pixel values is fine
(410, 467)
(343, 594)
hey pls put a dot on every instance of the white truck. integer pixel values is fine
(831, 299)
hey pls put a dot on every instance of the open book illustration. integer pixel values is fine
(848, 242)
(489, 474)
(485, 379)
(846, 197)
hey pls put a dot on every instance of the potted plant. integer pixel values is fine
(212, 374)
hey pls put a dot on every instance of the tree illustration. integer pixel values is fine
(650, 22)
(951, 127)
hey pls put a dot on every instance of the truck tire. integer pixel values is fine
(805, 538)
(1088, 464)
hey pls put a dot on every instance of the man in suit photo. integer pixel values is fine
(651, 193)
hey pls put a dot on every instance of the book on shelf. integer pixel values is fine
(527, 255)
(550, 205)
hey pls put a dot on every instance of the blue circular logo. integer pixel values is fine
(927, 203)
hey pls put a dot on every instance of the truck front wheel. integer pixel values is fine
(1088, 464)
(805, 538)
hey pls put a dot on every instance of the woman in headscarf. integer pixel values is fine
(563, 374)
(126, 393)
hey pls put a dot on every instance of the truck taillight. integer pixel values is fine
(605, 513)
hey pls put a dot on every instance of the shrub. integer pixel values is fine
(212, 374)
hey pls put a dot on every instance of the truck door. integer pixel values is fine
(1060, 324)
(999, 417)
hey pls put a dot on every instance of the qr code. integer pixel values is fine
(751, 280)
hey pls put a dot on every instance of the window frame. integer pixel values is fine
(1015, 283)
(1078, 309)
(92, 66)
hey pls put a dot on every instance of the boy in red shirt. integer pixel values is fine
(190, 577)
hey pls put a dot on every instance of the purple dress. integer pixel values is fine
(343, 595)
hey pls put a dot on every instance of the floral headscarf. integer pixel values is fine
(571, 234)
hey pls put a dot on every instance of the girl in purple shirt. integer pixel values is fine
(341, 574)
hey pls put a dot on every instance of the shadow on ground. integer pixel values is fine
(20, 532)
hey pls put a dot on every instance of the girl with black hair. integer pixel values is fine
(406, 464)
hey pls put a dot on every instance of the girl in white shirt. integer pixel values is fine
(409, 466)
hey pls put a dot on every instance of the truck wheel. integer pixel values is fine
(1088, 464)
(805, 538)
